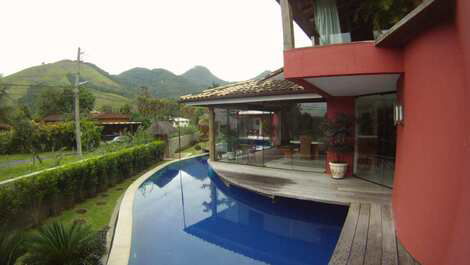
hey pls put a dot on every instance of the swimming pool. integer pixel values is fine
(185, 215)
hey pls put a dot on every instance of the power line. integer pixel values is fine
(32, 84)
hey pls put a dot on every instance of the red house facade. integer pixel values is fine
(407, 88)
(421, 65)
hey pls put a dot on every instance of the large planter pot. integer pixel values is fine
(338, 170)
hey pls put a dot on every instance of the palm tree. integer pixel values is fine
(56, 244)
(11, 246)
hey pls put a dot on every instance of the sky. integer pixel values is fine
(235, 39)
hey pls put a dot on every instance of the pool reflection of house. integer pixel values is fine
(277, 239)
(411, 87)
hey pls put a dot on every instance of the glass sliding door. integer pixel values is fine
(242, 136)
(375, 139)
(285, 135)
(299, 145)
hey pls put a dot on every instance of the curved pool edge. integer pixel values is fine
(319, 187)
(121, 245)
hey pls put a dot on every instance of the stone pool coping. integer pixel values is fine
(121, 244)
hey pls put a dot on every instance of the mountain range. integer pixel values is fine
(114, 90)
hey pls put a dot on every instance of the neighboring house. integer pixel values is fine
(410, 87)
(53, 118)
(4, 127)
(114, 124)
(180, 122)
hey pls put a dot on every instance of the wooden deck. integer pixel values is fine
(302, 185)
(368, 238)
(368, 235)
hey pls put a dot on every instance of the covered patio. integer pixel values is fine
(272, 123)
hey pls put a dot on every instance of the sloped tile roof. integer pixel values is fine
(250, 88)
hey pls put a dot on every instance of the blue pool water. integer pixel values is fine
(185, 215)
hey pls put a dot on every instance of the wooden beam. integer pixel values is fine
(287, 25)
(211, 134)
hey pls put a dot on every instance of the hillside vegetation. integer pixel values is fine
(106, 90)
(165, 84)
(112, 90)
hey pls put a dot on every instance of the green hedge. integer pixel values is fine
(28, 201)
(45, 138)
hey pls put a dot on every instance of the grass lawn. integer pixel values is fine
(21, 164)
(98, 209)
(16, 165)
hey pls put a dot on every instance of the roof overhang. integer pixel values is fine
(241, 100)
(356, 85)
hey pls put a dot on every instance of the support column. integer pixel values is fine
(336, 105)
(287, 25)
(211, 134)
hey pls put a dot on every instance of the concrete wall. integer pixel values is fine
(186, 141)
(431, 188)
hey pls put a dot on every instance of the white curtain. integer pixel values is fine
(327, 22)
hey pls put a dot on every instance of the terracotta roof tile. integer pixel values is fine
(250, 88)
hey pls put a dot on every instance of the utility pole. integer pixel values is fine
(78, 134)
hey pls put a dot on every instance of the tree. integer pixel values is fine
(125, 109)
(384, 13)
(62, 101)
(107, 108)
(50, 101)
(5, 105)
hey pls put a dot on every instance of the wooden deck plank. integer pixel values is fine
(389, 247)
(343, 247)
(360, 238)
(374, 237)
(404, 258)
(302, 185)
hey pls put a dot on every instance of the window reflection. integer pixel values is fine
(282, 135)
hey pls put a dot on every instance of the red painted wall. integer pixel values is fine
(337, 105)
(432, 170)
(341, 59)
(459, 250)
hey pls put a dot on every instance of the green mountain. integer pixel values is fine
(262, 75)
(201, 77)
(110, 90)
(107, 90)
(163, 83)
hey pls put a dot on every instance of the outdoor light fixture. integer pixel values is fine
(398, 114)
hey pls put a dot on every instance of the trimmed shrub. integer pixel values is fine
(45, 138)
(28, 201)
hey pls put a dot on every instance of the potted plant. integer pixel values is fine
(338, 132)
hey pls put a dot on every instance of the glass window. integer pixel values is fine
(375, 138)
(287, 136)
